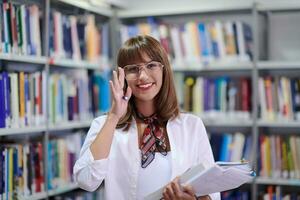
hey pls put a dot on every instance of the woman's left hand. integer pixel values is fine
(173, 191)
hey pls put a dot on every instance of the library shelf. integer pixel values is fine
(277, 5)
(277, 181)
(287, 124)
(24, 58)
(69, 63)
(88, 6)
(60, 190)
(278, 65)
(25, 130)
(223, 123)
(215, 66)
(41, 195)
(187, 8)
(71, 125)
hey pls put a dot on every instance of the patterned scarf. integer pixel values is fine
(153, 140)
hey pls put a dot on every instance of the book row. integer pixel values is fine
(20, 29)
(279, 98)
(231, 147)
(78, 37)
(279, 156)
(215, 98)
(22, 166)
(73, 95)
(74, 37)
(276, 193)
(80, 195)
(197, 42)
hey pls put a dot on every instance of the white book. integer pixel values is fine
(75, 41)
(221, 176)
(220, 39)
(14, 99)
(24, 32)
(241, 42)
(175, 36)
(238, 145)
(262, 98)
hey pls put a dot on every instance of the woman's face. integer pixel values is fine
(147, 81)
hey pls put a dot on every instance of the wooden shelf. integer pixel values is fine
(185, 8)
(74, 64)
(61, 190)
(277, 5)
(278, 65)
(86, 5)
(277, 181)
(70, 125)
(25, 130)
(215, 66)
(24, 58)
(287, 124)
(38, 196)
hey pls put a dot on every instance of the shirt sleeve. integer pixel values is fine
(89, 173)
(205, 154)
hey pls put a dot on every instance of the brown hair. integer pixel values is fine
(166, 101)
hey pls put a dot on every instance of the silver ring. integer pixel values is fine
(125, 98)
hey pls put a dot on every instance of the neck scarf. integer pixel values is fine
(153, 139)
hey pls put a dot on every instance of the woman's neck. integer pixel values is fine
(146, 108)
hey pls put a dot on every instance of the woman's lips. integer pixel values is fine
(145, 86)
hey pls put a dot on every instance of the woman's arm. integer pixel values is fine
(100, 148)
(91, 167)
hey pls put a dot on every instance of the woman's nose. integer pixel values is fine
(143, 75)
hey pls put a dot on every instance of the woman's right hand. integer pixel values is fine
(119, 104)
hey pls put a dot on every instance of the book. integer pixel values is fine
(221, 176)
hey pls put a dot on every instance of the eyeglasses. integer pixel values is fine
(132, 72)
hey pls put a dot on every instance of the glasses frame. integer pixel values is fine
(141, 66)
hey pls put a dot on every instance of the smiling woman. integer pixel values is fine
(144, 142)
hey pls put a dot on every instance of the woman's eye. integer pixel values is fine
(133, 69)
(151, 65)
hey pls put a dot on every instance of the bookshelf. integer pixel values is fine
(36, 59)
(261, 15)
(268, 60)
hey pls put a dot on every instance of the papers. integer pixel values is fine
(219, 177)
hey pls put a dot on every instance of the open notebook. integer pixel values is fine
(219, 177)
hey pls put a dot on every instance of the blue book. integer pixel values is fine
(2, 102)
(27, 24)
(67, 38)
(50, 174)
(203, 40)
(104, 95)
(225, 154)
(6, 83)
(2, 168)
(81, 38)
(105, 41)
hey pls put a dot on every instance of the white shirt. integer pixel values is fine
(155, 175)
(189, 146)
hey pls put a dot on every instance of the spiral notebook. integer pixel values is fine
(219, 177)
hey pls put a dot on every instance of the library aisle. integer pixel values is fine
(236, 65)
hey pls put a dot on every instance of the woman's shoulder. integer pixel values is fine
(185, 117)
(100, 119)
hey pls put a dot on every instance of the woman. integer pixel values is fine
(143, 143)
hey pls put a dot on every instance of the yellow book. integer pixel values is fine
(91, 30)
(22, 98)
(268, 156)
(10, 173)
(144, 29)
